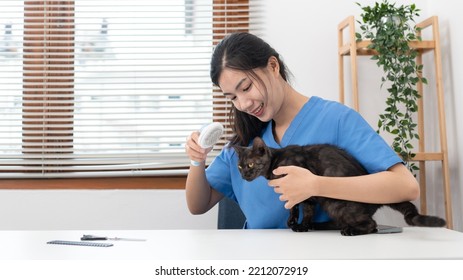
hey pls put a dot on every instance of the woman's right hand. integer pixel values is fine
(194, 151)
(200, 196)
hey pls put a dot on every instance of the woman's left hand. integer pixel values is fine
(298, 185)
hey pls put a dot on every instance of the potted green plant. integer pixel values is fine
(390, 29)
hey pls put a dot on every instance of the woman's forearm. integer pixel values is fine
(395, 185)
(199, 195)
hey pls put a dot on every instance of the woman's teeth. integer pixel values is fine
(258, 111)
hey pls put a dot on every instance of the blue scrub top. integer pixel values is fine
(318, 122)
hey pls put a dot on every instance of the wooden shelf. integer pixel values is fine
(362, 47)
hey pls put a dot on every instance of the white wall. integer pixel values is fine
(99, 209)
(304, 32)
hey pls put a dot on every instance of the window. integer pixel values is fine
(95, 88)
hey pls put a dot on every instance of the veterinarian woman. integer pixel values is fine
(251, 74)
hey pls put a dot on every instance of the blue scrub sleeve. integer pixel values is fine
(365, 144)
(218, 173)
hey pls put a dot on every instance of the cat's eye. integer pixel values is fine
(239, 167)
(251, 165)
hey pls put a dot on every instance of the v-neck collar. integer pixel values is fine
(292, 128)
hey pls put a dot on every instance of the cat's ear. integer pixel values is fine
(259, 145)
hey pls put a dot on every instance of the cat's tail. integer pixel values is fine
(413, 218)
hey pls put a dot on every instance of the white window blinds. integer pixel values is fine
(93, 88)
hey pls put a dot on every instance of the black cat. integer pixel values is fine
(352, 218)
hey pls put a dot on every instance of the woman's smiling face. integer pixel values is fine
(250, 93)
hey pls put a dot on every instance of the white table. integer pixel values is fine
(412, 243)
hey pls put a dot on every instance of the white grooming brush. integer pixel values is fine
(208, 136)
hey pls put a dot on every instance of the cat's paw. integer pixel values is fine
(292, 223)
(348, 232)
(351, 231)
(299, 228)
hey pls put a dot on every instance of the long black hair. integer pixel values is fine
(243, 51)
